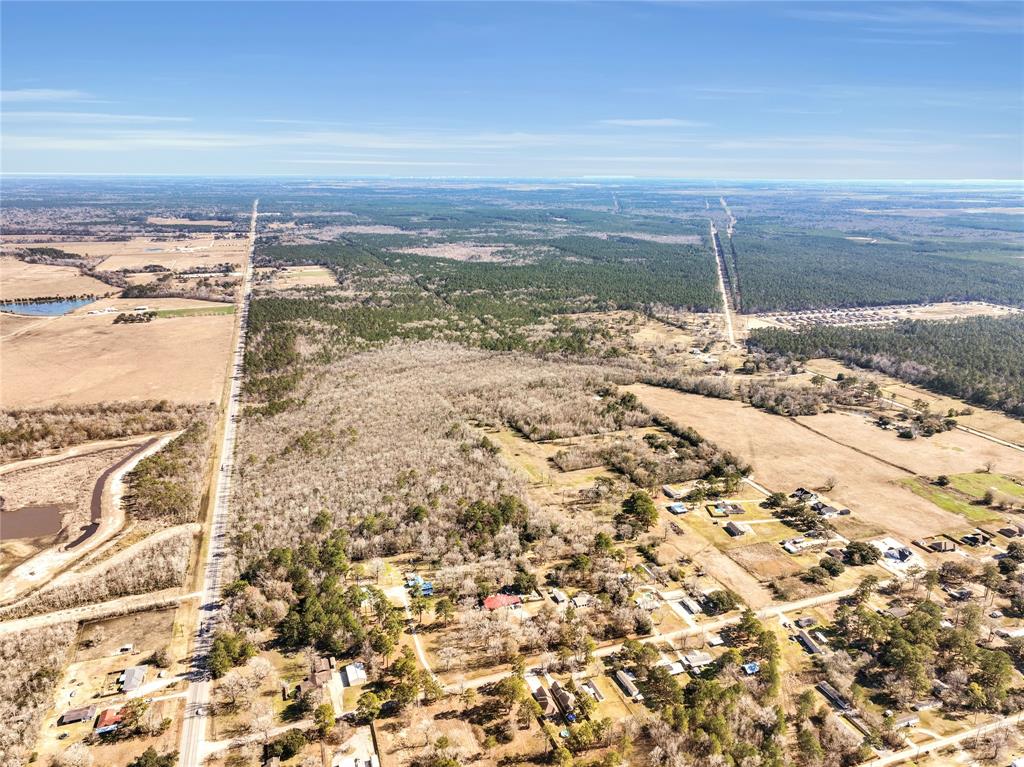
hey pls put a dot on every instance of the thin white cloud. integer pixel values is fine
(417, 163)
(654, 122)
(43, 94)
(91, 117)
(913, 16)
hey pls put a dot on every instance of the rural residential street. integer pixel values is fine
(193, 731)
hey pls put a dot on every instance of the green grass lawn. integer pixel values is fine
(201, 311)
(976, 484)
(946, 500)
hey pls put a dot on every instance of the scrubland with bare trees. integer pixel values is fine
(153, 564)
(31, 663)
(29, 432)
(382, 447)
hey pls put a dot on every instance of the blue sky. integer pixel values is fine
(689, 90)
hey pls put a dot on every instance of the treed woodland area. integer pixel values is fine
(496, 440)
(979, 359)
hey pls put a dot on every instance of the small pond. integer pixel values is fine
(31, 522)
(45, 308)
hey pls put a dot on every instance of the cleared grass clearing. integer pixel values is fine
(948, 501)
(212, 311)
(976, 484)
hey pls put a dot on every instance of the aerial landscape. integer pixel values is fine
(329, 443)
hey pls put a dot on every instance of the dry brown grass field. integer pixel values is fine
(179, 253)
(21, 280)
(786, 455)
(181, 359)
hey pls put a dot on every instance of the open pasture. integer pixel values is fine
(20, 280)
(181, 359)
(180, 253)
(785, 454)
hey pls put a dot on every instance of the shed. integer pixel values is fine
(677, 508)
(671, 492)
(751, 668)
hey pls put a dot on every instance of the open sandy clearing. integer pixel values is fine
(459, 251)
(83, 358)
(302, 277)
(170, 221)
(21, 280)
(784, 455)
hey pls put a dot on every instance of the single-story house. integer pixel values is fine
(565, 699)
(737, 529)
(544, 700)
(805, 622)
(582, 599)
(559, 597)
(809, 644)
(691, 606)
(837, 554)
(646, 602)
(928, 704)
(75, 715)
(498, 601)
(804, 495)
(108, 721)
(625, 681)
(900, 554)
(132, 678)
(677, 508)
(697, 659)
(833, 696)
(354, 673)
(715, 640)
(671, 492)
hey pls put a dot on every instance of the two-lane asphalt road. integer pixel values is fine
(193, 731)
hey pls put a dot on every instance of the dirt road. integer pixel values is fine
(726, 299)
(107, 515)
